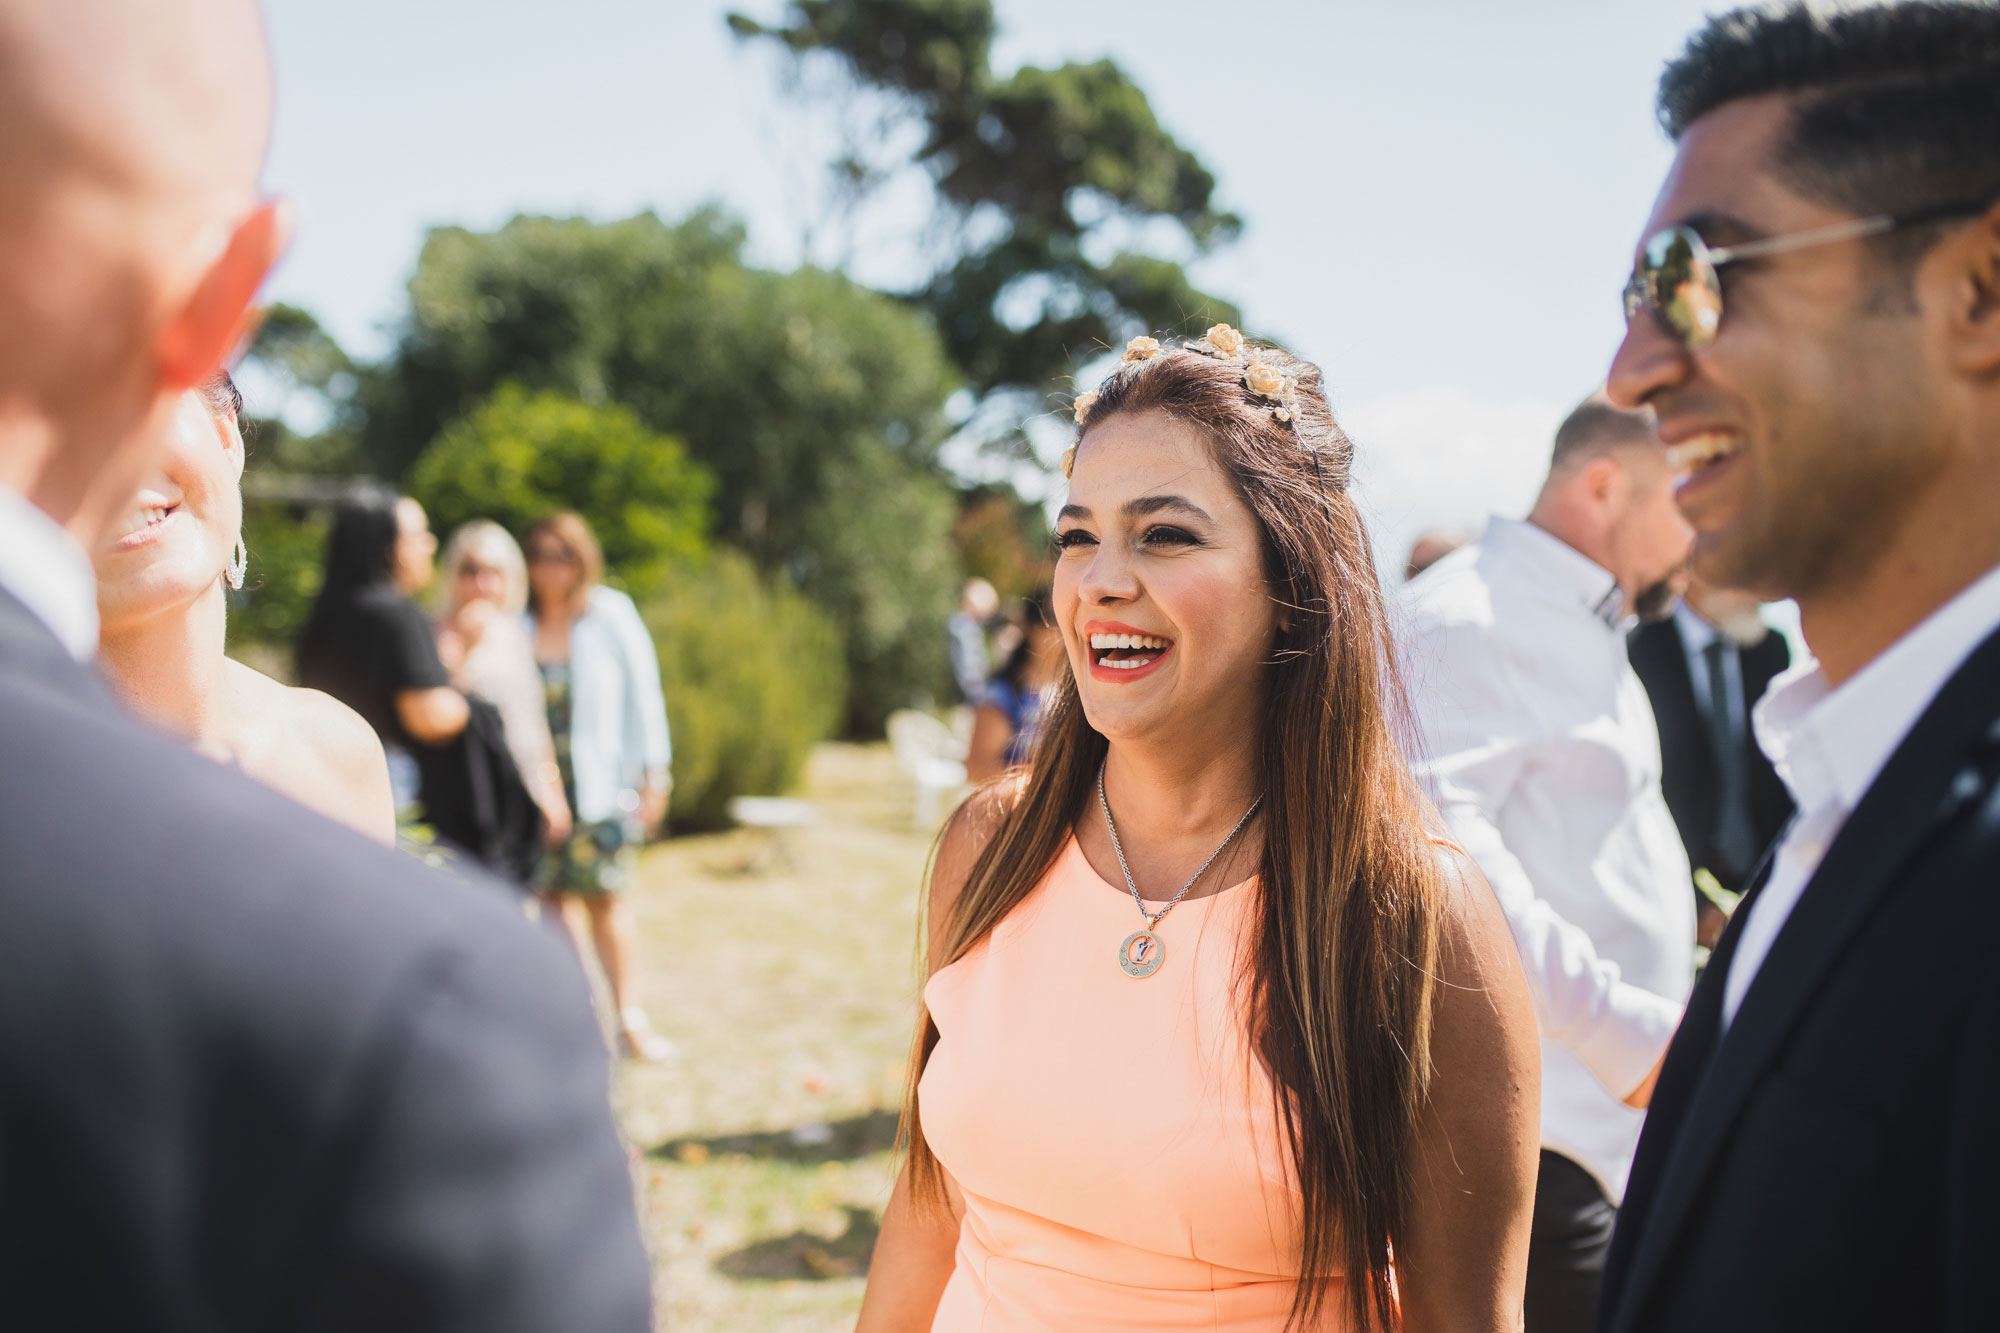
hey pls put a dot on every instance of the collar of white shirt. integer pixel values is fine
(1696, 633)
(1563, 570)
(1828, 745)
(42, 565)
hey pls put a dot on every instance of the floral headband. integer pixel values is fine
(1223, 343)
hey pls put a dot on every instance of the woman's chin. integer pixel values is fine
(140, 593)
(1127, 718)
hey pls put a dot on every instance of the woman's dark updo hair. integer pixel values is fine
(360, 555)
(224, 399)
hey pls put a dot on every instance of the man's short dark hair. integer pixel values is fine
(1598, 426)
(1900, 105)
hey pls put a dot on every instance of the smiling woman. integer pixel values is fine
(1216, 1034)
(160, 575)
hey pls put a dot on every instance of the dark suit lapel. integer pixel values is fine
(1917, 791)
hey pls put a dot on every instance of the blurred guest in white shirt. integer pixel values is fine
(1536, 741)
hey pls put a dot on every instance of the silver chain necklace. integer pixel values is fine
(1143, 951)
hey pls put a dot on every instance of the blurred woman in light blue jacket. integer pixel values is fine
(608, 718)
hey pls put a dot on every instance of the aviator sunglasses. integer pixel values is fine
(1676, 273)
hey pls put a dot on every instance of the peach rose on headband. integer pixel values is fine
(1083, 405)
(1263, 380)
(1069, 460)
(1225, 340)
(1142, 348)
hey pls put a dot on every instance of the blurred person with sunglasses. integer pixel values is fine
(257, 1071)
(608, 717)
(1814, 313)
(160, 608)
(486, 648)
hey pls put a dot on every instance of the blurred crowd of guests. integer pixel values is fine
(524, 725)
(1003, 665)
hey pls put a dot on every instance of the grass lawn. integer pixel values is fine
(788, 982)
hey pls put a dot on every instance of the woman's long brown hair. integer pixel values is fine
(1341, 972)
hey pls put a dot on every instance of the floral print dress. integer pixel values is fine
(597, 857)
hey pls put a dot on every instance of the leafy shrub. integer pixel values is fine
(753, 678)
(878, 557)
(520, 456)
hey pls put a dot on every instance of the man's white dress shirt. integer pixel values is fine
(1829, 745)
(1537, 743)
(42, 565)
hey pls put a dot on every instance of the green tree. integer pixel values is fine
(521, 456)
(298, 370)
(1064, 164)
(818, 405)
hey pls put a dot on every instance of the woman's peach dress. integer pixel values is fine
(1117, 1145)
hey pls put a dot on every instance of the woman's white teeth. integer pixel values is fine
(142, 519)
(1691, 454)
(1127, 664)
(1110, 641)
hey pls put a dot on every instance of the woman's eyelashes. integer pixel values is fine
(1165, 534)
(1159, 536)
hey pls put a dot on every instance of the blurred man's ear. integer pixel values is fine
(217, 314)
(1979, 311)
(1604, 478)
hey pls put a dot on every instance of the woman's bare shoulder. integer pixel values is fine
(316, 750)
(966, 834)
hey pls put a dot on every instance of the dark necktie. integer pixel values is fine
(1735, 840)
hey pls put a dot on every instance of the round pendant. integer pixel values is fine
(1142, 953)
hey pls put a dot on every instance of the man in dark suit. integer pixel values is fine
(1704, 668)
(1821, 1150)
(255, 1071)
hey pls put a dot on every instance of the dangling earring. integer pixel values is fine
(238, 566)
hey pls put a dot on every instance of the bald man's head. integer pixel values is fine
(131, 137)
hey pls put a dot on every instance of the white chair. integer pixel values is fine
(774, 817)
(932, 757)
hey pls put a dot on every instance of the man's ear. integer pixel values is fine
(1604, 479)
(217, 315)
(1977, 313)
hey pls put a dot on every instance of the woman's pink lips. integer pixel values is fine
(1122, 675)
(146, 535)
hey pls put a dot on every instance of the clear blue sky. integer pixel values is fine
(1441, 197)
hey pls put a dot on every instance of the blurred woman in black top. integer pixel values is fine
(368, 645)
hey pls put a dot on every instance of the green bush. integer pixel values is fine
(520, 456)
(754, 679)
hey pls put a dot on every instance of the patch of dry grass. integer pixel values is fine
(788, 982)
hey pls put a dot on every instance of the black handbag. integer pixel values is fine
(474, 797)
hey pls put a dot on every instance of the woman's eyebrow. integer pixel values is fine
(1139, 508)
(1153, 504)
